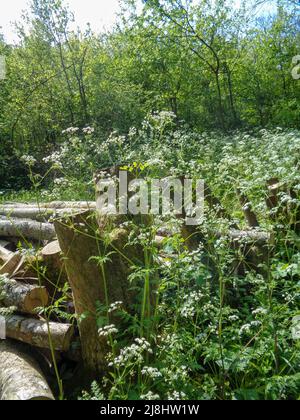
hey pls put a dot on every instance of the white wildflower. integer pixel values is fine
(153, 373)
(28, 160)
(107, 331)
(150, 396)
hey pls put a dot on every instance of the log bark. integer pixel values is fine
(90, 283)
(251, 236)
(247, 209)
(26, 298)
(35, 213)
(20, 376)
(84, 205)
(36, 332)
(27, 229)
(53, 205)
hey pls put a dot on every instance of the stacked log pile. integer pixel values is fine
(29, 282)
(61, 238)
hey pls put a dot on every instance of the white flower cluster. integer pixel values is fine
(115, 307)
(173, 375)
(28, 160)
(61, 182)
(177, 396)
(55, 159)
(107, 331)
(191, 304)
(133, 353)
(246, 329)
(71, 130)
(88, 130)
(153, 373)
(260, 311)
(150, 396)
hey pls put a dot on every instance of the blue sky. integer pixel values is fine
(99, 13)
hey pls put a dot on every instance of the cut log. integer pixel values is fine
(90, 283)
(55, 273)
(35, 213)
(52, 249)
(84, 205)
(36, 332)
(10, 266)
(24, 297)
(247, 209)
(20, 376)
(251, 236)
(6, 245)
(4, 255)
(27, 229)
(53, 205)
(274, 187)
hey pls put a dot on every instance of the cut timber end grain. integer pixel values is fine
(51, 249)
(11, 264)
(26, 298)
(20, 376)
(51, 256)
(4, 255)
(36, 333)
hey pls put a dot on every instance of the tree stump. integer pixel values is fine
(95, 282)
